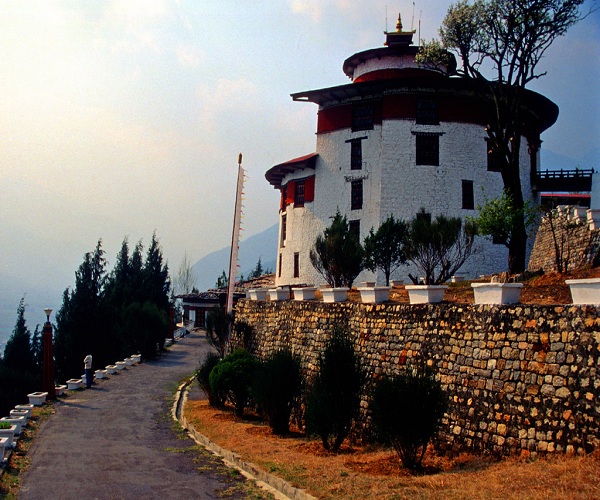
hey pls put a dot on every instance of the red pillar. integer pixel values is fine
(172, 323)
(47, 362)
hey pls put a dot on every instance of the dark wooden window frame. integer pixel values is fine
(356, 194)
(427, 148)
(356, 162)
(299, 193)
(296, 265)
(468, 196)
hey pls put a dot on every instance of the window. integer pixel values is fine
(363, 116)
(356, 195)
(299, 194)
(354, 227)
(468, 200)
(279, 271)
(493, 158)
(356, 154)
(427, 112)
(428, 149)
(296, 265)
(283, 229)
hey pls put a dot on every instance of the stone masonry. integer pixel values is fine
(580, 246)
(520, 379)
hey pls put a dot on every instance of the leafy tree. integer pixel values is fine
(277, 385)
(497, 219)
(384, 249)
(337, 254)
(218, 327)
(509, 38)
(438, 247)
(407, 411)
(334, 397)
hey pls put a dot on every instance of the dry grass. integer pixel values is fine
(367, 472)
(19, 460)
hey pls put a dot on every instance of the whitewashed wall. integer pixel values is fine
(394, 184)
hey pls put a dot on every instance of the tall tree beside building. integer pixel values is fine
(337, 254)
(509, 39)
(384, 248)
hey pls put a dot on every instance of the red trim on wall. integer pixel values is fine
(287, 191)
(309, 189)
(389, 74)
(290, 188)
(404, 107)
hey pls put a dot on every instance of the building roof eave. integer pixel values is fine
(276, 174)
(542, 108)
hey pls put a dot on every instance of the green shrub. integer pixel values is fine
(334, 397)
(203, 376)
(276, 387)
(407, 410)
(232, 377)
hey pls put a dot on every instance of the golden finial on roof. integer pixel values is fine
(399, 24)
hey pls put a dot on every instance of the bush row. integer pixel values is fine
(406, 410)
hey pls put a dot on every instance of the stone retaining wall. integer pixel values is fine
(579, 245)
(519, 378)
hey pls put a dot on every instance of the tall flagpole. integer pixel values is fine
(235, 236)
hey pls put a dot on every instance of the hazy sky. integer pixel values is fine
(118, 118)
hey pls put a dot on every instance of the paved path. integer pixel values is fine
(117, 440)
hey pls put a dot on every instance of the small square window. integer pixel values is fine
(468, 199)
(356, 195)
(428, 149)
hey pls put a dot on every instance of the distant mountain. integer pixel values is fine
(262, 245)
(556, 161)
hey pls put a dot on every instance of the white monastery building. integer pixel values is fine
(399, 138)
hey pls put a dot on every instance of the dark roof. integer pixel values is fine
(275, 174)
(542, 107)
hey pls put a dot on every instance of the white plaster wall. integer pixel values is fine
(394, 184)
(387, 62)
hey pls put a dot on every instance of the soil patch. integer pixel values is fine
(359, 472)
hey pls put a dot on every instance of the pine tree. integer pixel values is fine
(19, 373)
(82, 320)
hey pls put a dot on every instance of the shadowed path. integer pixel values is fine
(117, 440)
